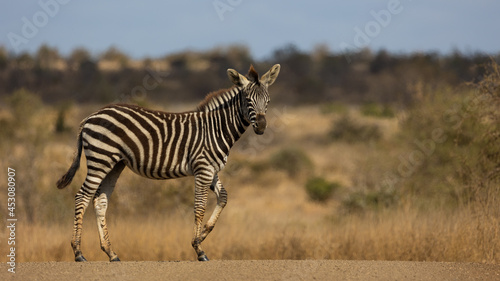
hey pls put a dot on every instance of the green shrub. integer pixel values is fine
(446, 131)
(24, 104)
(377, 110)
(361, 201)
(294, 161)
(347, 129)
(480, 165)
(320, 189)
(25, 107)
(61, 120)
(333, 107)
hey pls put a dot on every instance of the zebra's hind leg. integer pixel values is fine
(82, 199)
(100, 206)
(221, 194)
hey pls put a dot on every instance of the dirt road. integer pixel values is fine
(252, 270)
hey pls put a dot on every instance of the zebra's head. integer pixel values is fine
(256, 95)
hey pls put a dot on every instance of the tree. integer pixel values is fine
(78, 57)
(3, 57)
(47, 57)
(115, 55)
(24, 61)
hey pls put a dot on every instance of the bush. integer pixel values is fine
(25, 124)
(361, 201)
(347, 129)
(445, 128)
(294, 161)
(319, 189)
(377, 110)
(24, 104)
(333, 107)
(480, 167)
(61, 120)
(455, 132)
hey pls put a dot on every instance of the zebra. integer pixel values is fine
(162, 145)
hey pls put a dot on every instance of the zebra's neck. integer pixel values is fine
(227, 113)
(219, 99)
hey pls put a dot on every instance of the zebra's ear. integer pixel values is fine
(270, 76)
(237, 79)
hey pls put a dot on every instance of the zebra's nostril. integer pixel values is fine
(261, 121)
(260, 124)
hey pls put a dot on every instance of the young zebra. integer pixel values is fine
(161, 145)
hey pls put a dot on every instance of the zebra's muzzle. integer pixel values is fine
(260, 124)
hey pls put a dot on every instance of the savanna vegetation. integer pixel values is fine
(382, 156)
(364, 77)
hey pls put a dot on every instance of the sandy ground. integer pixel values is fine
(252, 270)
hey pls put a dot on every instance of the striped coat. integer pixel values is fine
(162, 145)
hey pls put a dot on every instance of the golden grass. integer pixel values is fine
(268, 215)
(395, 235)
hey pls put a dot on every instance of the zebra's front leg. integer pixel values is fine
(202, 183)
(221, 194)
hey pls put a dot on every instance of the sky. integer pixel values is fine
(156, 28)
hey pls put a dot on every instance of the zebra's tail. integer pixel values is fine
(66, 179)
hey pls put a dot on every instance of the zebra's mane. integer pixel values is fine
(215, 100)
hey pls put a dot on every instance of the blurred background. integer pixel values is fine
(382, 139)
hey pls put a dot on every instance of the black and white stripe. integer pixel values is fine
(162, 145)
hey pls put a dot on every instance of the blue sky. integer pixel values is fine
(156, 28)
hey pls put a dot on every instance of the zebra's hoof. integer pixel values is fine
(114, 259)
(203, 258)
(80, 258)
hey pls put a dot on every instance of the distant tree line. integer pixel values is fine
(362, 76)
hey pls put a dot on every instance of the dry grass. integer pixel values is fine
(268, 216)
(395, 235)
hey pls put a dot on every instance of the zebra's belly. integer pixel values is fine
(176, 171)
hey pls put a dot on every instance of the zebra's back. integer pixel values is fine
(154, 144)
